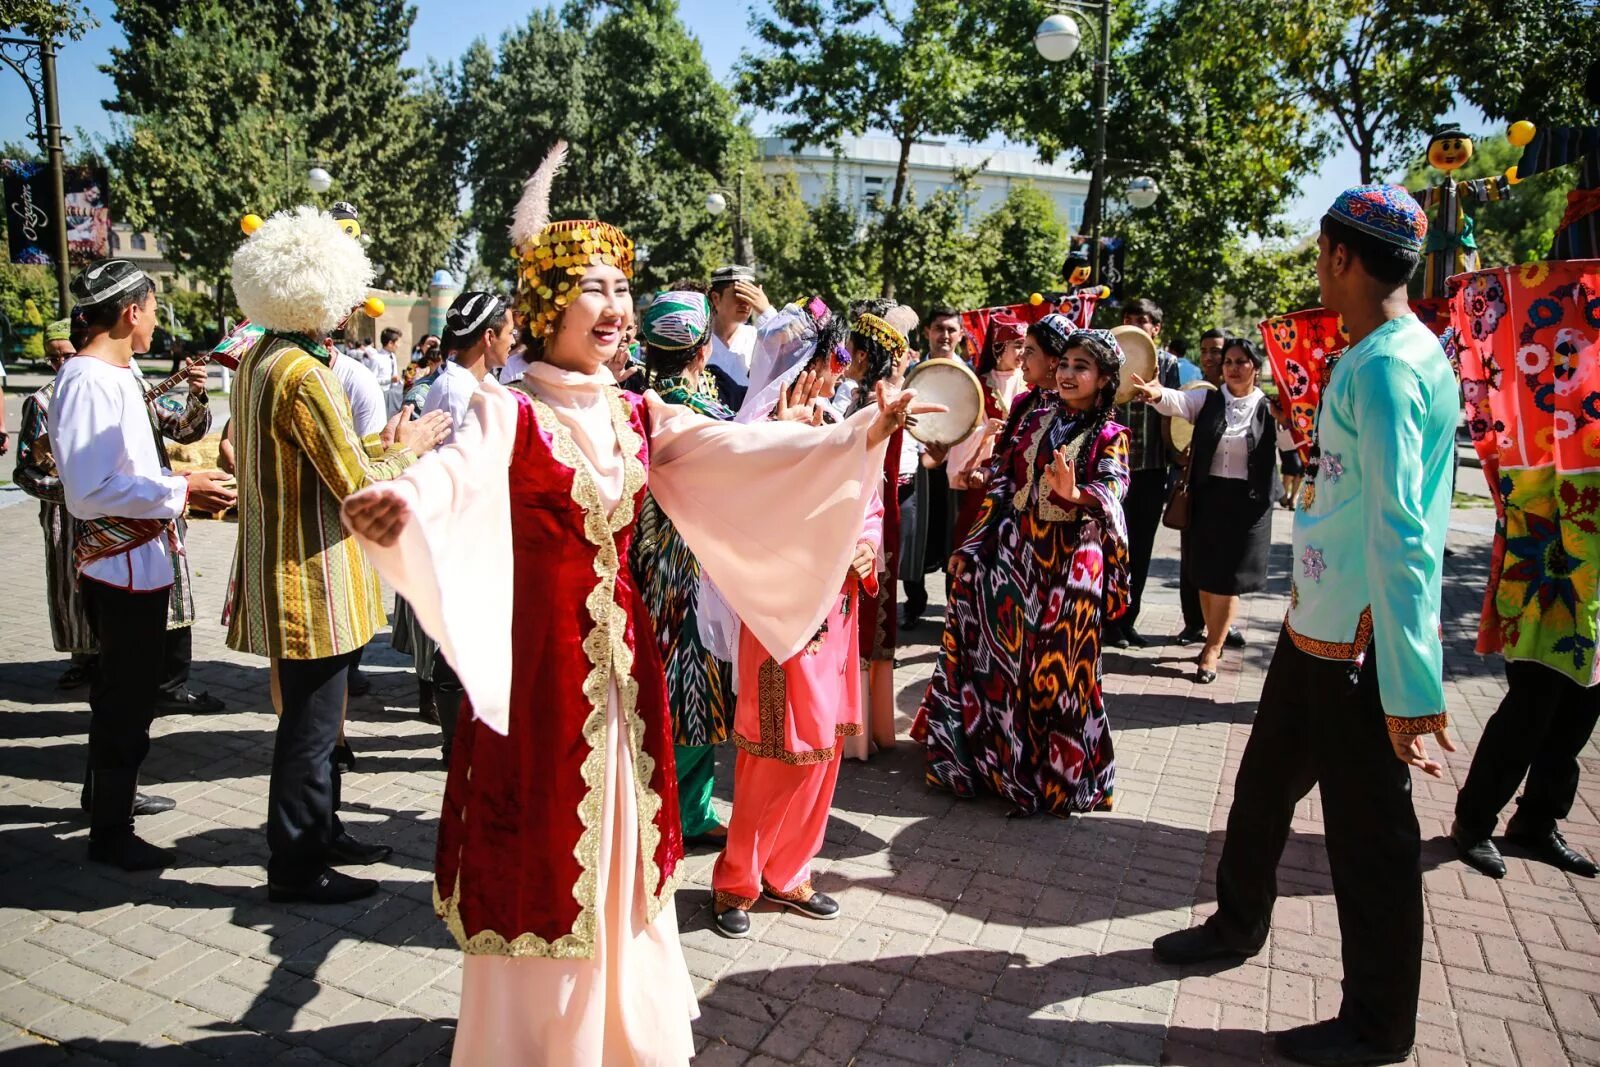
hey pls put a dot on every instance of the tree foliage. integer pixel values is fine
(651, 132)
(836, 68)
(53, 19)
(1518, 59)
(1025, 245)
(225, 106)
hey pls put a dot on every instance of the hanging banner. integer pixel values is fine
(30, 225)
(1079, 307)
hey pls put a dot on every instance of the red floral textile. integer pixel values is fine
(516, 869)
(1079, 307)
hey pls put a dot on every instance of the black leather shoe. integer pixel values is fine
(1235, 638)
(1198, 944)
(74, 677)
(911, 617)
(347, 850)
(1480, 855)
(130, 852)
(329, 887)
(187, 703)
(816, 906)
(1203, 676)
(344, 757)
(1190, 634)
(359, 684)
(1335, 1043)
(1134, 637)
(1117, 638)
(733, 922)
(143, 803)
(1550, 847)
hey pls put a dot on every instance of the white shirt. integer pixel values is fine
(733, 358)
(106, 455)
(364, 392)
(1232, 458)
(381, 362)
(516, 366)
(451, 392)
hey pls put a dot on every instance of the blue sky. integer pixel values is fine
(443, 30)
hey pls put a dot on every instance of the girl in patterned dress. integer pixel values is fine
(1015, 703)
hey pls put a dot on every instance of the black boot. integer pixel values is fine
(111, 836)
(449, 702)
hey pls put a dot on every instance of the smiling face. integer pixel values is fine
(591, 327)
(1079, 379)
(1449, 153)
(1038, 367)
(1009, 358)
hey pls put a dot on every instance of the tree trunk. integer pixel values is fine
(902, 176)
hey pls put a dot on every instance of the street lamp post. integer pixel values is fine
(717, 203)
(318, 180)
(19, 53)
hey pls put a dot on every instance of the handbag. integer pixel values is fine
(1176, 514)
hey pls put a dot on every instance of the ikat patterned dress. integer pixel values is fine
(1015, 704)
(699, 686)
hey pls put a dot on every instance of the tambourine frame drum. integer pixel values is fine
(951, 383)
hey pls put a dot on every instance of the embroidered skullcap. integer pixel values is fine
(1004, 329)
(106, 280)
(732, 273)
(469, 312)
(676, 321)
(1105, 337)
(59, 330)
(1052, 332)
(1386, 212)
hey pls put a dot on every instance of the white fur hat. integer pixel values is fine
(300, 272)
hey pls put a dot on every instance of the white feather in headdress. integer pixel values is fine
(533, 210)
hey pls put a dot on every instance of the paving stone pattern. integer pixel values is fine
(967, 938)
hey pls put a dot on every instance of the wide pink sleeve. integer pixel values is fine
(450, 559)
(773, 511)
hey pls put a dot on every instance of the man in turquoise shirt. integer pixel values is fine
(1355, 685)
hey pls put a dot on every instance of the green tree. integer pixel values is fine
(651, 132)
(835, 68)
(942, 258)
(839, 261)
(1027, 243)
(1518, 59)
(222, 103)
(1518, 229)
(54, 19)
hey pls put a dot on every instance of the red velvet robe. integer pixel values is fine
(515, 871)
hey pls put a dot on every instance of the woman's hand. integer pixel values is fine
(1063, 478)
(378, 514)
(1149, 392)
(895, 411)
(866, 556)
(795, 400)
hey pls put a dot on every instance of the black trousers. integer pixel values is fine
(1147, 496)
(913, 542)
(1538, 730)
(1318, 725)
(179, 653)
(1188, 592)
(131, 629)
(303, 798)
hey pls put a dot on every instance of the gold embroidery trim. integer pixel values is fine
(726, 901)
(772, 697)
(1048, 510)
(1425, 724)
(799, 894)
(1335, 650)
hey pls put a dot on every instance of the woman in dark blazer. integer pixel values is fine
(1231, 489)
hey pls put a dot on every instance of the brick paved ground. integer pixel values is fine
(966, 938)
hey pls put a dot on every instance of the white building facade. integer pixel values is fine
(864, 167)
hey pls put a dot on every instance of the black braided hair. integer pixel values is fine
(1105, 408)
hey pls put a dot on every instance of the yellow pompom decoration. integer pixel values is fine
(250, 224)
(373, 306)
(1036, 299)
(1521, 133)
(1512, 176)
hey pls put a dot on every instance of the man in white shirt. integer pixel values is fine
(365, 394)
(384, 362)
(126, 504)
(735, 296)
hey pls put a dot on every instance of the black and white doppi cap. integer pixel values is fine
(104, 281)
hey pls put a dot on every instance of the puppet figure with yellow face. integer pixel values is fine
(1451, 247)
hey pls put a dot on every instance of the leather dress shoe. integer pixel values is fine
(1235, 638)
(344, 757)
(187, 703)
(1117, 637)
(1335, 1043)
(1550, 847)
(1198, 944)
(143, 803)
(732, 922)
(815, 906)
(347, 850)
(1480, 855)
(328, 887)
(74, 677)
(1190, 634)
(130, 852)
(1134, 637)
